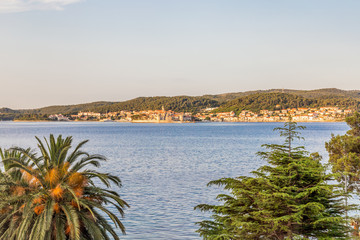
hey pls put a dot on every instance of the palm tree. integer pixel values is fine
(54, 195)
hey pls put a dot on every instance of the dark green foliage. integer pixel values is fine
(290, 198)
(8, 110)
(354, 124)
(344, 153)
(257, 102)
(32, 117)
(177, 104)
(317, 93)
(23, 117)
(8, 116)
(70, 109)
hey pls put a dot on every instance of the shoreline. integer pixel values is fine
(162, 122)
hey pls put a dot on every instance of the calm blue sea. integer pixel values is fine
(164, 168)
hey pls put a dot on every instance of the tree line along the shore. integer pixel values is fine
(54, 193)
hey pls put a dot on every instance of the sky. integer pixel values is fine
(58, 52)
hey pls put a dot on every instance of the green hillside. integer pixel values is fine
(8, 110)
(251, 100)
(69, 109)
(177, 104)
(269, 101)
(317, 93)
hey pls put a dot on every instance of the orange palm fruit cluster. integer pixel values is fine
(39, 209)
(18, 191)
(52, 177)
(56, 208)
(57, 192)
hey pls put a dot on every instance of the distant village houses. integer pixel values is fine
(208, 114)
(58, 117)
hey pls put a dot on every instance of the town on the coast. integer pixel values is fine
(322, 114)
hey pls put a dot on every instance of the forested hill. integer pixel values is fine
(8, 110)
(69, 109)
(177, 104)
(317, 93)
(253, 100)
(276, 101)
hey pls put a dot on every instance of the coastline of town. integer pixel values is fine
(322, 114)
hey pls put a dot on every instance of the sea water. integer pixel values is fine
(164, 168)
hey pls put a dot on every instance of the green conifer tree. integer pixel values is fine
(344, 156)
(344, 153)
(290, 198)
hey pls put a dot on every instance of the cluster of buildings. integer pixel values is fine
(136, 116)
(58, 117)
(297, 114)
(156, 116)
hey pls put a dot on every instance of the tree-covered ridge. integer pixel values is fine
(324, 92)
(68, 109)
(251, 100)
(8, 110)
(277, 101)
(177, 104)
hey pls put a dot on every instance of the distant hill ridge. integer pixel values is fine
(334, 92)
(249, 100)
(277, 101)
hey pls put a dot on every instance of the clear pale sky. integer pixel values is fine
(73, 51)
